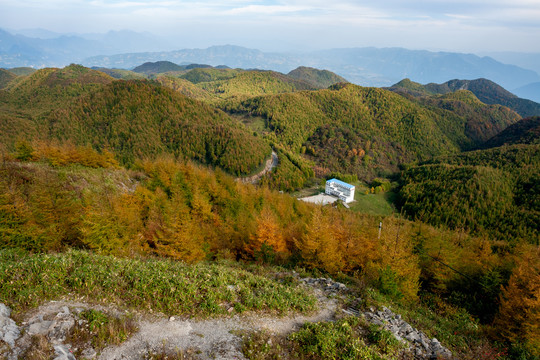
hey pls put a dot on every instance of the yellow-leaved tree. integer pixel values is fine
(519, 313)
(268, 237)
(318, 246)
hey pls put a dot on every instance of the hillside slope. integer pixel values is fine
(363, 131)
(5, 78)
(199, 75)
(525, 131)
(254, 83)
(482, 121)
(318, 78)
(138, 119)
(494, 191)
(135, 119)
(485, 90)
(157, 67)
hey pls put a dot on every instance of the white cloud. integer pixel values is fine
(265, 10)
(422, 23)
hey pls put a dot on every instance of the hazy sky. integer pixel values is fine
(457, 25)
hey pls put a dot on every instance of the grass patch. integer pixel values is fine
(40, 349)
(254, 123)
(27, 280)
(100, 330)
(260, 345)
(164, 354)
(342, 339)
(373, 204)
(383, 339)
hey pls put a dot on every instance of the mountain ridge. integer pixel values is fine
(485, 90)
(367, 66)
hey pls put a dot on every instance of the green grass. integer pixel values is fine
(101, 330)
(254, 123)
(165, 286)
(373, 204)
(344, 339)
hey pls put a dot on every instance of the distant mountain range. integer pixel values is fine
(485, 90)
(45, 49)
(530, 91)
(363, 66)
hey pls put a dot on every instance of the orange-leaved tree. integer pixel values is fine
(318, 246)
(268, 236)
(519, 313)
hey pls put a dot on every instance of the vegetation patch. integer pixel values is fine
(342, 339)
(170, 287)
(261, 345)
(100, 330)
(40, 349)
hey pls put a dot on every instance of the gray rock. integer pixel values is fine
(63, 353)
(4, 311)
(60, 328)
(89, 353)
(9, 331)
(418, 343)
(39, 328)
(424, 344)
(412, 336)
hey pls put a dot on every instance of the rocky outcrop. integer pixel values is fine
(419, 345)
(326, 284)
(9, 331)
(53, 321)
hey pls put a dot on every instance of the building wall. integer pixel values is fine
(344, 193)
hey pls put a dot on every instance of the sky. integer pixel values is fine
(284, 25)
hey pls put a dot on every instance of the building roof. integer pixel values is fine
(349, 186)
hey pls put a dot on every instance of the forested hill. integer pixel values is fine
(366, 131)
(318, 78)
(135, 119)
(48, 88)
(485, 90)
(494, 192)
(253, 83)
(5, 78)
(482, 121)
(157, 67)
(139, 119)
(217, 84)
(525, 131)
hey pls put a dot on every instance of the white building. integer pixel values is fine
(340, 189)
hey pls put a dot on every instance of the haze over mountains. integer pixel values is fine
(364, 66)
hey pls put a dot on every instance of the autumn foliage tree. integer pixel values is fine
(518, 320)
(268, 239)
(318, 246)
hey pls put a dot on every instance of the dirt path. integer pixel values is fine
(270, 164)
(211, 339)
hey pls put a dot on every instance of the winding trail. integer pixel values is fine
(270, 164)
(213, 338)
